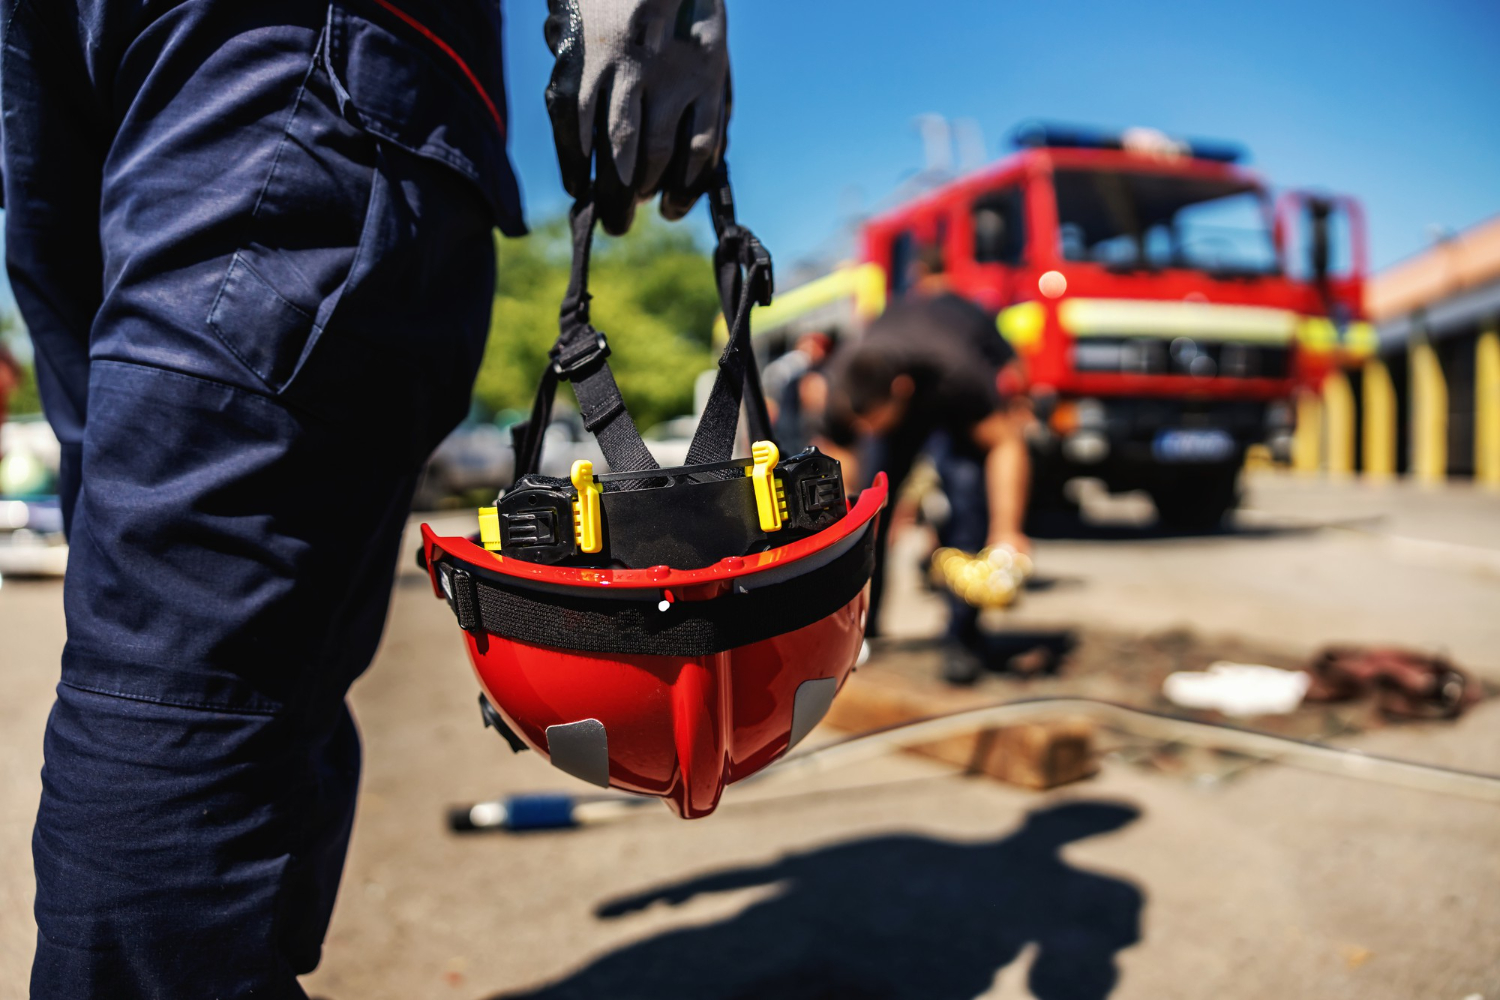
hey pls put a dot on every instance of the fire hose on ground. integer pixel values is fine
(550, 812)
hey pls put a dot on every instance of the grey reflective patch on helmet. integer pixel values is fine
(810, 705)
(581, 749)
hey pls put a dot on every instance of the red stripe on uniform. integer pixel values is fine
(457, 59)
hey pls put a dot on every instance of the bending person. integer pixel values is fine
(926, 377)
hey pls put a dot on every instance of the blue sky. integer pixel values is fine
(1396, 103)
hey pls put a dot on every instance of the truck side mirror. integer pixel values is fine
(1318, 252)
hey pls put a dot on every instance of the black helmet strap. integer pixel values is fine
(743, 270)
(579, 356)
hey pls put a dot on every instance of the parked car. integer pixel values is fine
(29, 457)
(670, 439)
(478, 458)
(31, 538)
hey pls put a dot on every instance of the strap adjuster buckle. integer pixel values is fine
(763, 289)
(770, 494)
(567, 365)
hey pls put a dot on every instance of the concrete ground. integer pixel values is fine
(897, 879)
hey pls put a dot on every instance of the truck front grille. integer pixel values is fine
(1180, 356)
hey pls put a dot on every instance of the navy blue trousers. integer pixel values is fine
(961, 471)
(253, 246)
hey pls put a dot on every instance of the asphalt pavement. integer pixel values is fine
(897, 878)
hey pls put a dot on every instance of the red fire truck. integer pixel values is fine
(1166, 309)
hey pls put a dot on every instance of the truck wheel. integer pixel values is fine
(1196, 500)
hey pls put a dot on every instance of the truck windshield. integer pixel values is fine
(1130, 221)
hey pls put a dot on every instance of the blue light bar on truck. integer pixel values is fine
(1045, 135)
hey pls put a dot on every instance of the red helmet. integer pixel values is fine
(663, 631)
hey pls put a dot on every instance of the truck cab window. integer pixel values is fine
(1129, 220)
(999, 228)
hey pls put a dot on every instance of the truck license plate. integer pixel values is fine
(1193, 445)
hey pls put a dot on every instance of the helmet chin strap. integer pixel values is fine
(743, 271)
(579, 356)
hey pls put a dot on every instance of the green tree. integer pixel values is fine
(25, 398)
(653, 296)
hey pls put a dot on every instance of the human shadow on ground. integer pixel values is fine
(888, 918)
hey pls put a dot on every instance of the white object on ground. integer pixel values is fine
(1238, 689)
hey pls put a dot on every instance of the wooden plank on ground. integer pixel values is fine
(1035, 755)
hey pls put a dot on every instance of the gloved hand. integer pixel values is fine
(645, 84)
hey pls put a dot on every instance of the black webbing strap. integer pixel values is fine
(579, 356)
(743, 271)
(687, 628)
(743, 268)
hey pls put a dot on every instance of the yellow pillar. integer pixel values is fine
(1379, 421)
(1338, 417)
(1307, 439)
(1429, 414)
(1487, 408)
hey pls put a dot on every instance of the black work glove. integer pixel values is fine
(645, 85)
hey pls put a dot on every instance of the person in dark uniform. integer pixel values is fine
(797, 391)
(926, 379)
(252, 243)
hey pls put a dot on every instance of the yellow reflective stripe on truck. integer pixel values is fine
(864, 284)
(1199, 320)
(1317, 334)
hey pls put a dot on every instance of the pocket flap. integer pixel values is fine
(265, 331)
(418, 76)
